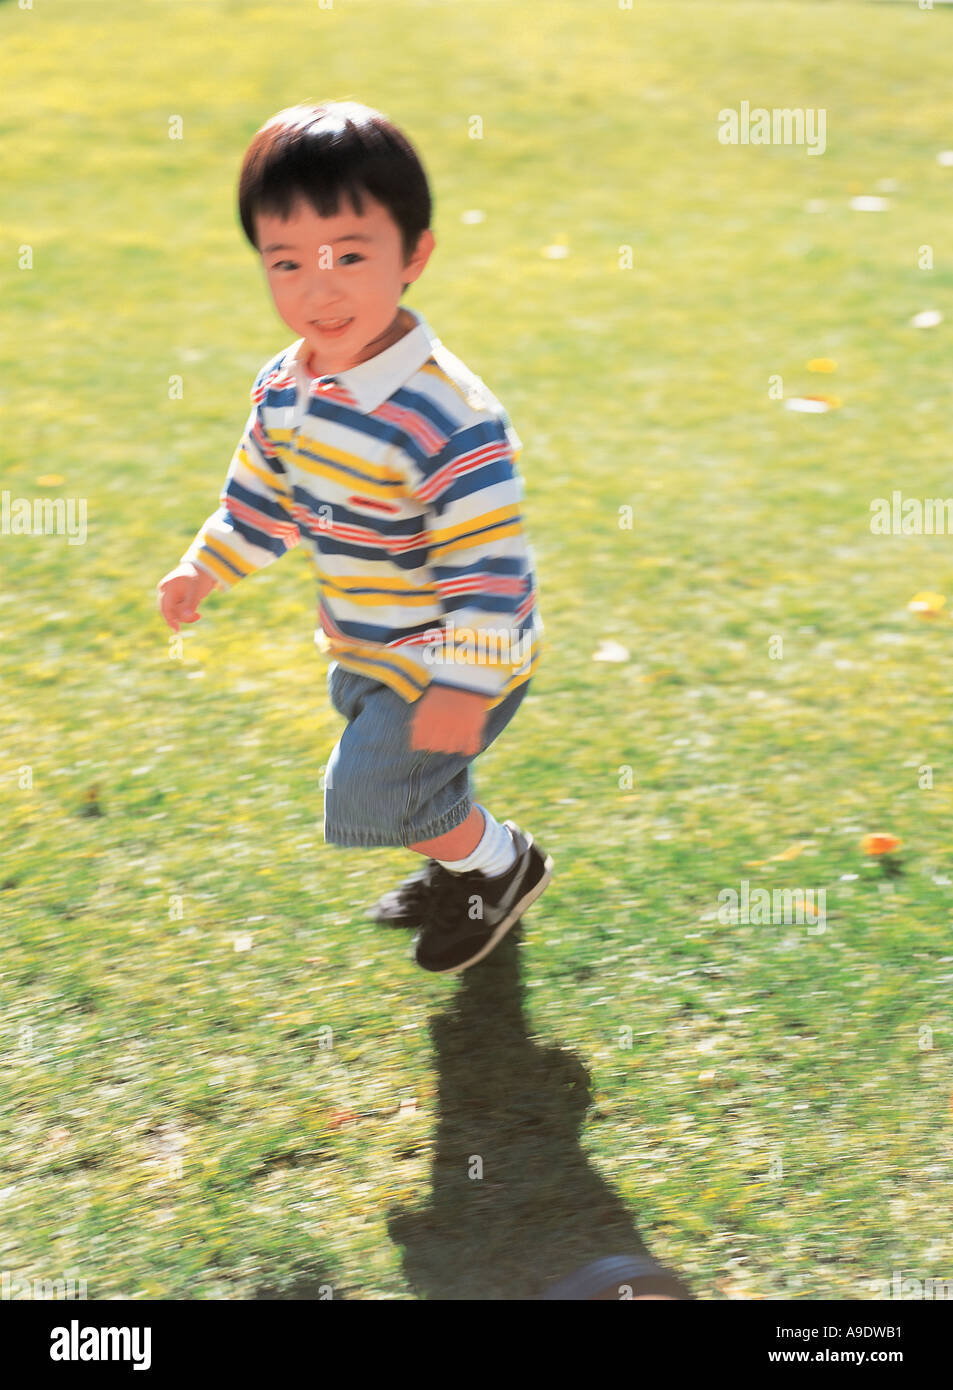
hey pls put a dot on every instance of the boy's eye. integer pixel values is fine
(279, 265)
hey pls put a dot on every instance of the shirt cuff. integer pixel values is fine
(194, 556)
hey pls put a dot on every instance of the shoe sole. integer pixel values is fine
(519, 908)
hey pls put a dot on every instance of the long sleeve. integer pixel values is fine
(479, 556)
(254, 523)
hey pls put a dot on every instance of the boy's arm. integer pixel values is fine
(253, 525)
(479, 553)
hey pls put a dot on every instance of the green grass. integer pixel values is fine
(184, 1120)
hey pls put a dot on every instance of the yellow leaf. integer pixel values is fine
(927, 605)
(792, 851)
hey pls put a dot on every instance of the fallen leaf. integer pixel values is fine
(927, 605)
(340, 1117)
(812, 405)
(879, 843)
(793, 851)
(91, 804)
(822, 364)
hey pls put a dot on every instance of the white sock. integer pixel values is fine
(495, 853)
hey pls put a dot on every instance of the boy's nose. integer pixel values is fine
(325, 304)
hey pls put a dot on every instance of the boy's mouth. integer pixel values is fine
(331, 327)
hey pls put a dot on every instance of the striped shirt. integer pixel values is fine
(400, 476)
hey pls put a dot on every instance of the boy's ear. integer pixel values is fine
(422, 252)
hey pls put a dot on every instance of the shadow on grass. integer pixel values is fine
(539, 1211)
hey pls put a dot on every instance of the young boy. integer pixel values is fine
(395, 465)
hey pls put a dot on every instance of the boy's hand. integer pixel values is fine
(181, 592)
(448, 720)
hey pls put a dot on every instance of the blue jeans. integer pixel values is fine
(380, 791)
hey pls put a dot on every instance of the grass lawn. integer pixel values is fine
(223, 1081)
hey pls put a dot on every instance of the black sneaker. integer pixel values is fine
(468, 914)
(404, 906)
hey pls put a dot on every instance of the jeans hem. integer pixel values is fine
(445, 823)
(378, 839)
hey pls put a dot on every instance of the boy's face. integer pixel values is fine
(319, 276)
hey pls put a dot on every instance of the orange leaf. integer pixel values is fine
(340, 1117)
(879, 843)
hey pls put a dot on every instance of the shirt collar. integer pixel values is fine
(372, 382)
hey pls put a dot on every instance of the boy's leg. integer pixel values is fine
(501, 863)
(458, 842)
(478, 844)
(493, 849)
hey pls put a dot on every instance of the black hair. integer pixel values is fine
(328, 151)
